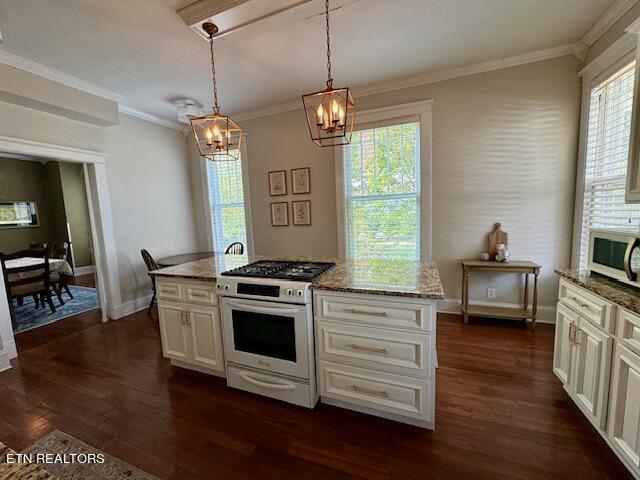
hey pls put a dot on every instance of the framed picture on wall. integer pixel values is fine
(278, 183)
(279, 214)
(301, 212)
(300, 180)
(19, 215)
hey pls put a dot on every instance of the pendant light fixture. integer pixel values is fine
(330, 112)
(217, 136)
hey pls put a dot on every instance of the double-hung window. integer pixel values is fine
(608, 134)
(382, 192)
(227, 203)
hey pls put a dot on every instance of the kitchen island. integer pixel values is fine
(372, 324)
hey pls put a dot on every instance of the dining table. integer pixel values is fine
(183, 258)
(56, 266)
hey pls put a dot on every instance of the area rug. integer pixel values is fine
(66, 447)
(27, 317)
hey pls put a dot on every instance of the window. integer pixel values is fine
(607, 152)
(382, 193)
(226, 200)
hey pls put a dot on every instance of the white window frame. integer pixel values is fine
(247, 201)
(620, 53)
(423, 110)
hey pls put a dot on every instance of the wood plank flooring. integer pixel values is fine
(500, 412)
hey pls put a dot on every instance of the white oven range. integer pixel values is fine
(267, 327)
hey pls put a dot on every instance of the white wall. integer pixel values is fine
(504, 150)
(150, 190)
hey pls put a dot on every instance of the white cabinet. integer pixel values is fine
(376, 355)
(582, 361)
(566, 322)
(590, 373)
(172, 330)
(190, 325)
(600, 369)
(624, 415)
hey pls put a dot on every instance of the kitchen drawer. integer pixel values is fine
(168, 291)
(272, 386)
(628, 329)
(395, 394)
(380, 311)
(201, 294)
(592, 307)
(396, 352)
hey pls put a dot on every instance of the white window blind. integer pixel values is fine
(606, 159)
(226, 199)
(382, 193)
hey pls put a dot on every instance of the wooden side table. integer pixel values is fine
(514, 266)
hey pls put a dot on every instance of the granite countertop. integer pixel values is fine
(625, 296)
(377, 277)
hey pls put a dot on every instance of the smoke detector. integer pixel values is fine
(187, 109)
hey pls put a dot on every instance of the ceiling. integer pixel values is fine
(143, 51)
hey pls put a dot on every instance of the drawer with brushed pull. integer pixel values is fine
(396, 394)
(587, 305)
(202, 294)
(384, 312)
(404, 353)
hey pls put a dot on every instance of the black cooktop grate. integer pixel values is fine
(284, 270)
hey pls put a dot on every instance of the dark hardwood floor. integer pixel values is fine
(62, 328)
(500, 413)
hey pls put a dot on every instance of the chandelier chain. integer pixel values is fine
(216, 107)
(329, 79)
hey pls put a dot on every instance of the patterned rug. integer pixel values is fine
(67, 447)
(27, 317)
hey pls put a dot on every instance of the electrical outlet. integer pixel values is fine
(491, 293)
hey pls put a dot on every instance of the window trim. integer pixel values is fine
(247, 200)
(619, 54)
(423, 110)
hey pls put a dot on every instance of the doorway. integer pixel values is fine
(93, 168)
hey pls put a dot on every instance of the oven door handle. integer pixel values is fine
(631, 275)
(260, 309)
(273, 386)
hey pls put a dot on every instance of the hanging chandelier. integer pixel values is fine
(218, 137)
(330, 112)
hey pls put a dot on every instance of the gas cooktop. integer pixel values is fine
(296, 271)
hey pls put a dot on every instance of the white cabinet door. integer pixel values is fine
(624, 410)
(590, 371)
(205, 333)
(566, 321)
(172, 330)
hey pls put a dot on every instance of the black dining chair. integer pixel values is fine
(28, 281)
(60, 281)
(236, 248)
(151, 265)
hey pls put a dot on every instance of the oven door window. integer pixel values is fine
(266, 335)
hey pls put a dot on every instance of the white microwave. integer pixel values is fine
(615, 254)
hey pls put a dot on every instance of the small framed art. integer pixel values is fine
(301, 212)
(278, 183)
(300, 180)
(279, 214)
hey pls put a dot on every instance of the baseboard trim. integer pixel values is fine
(132, 306)
(546, 314)
(9, 348)
(84, 270)
(4, 361)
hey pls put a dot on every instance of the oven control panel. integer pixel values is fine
(265, 289)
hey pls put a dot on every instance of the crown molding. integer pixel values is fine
(57, 76)
(606, 21)
(74, 82)
(576, 49)
(126, 109)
